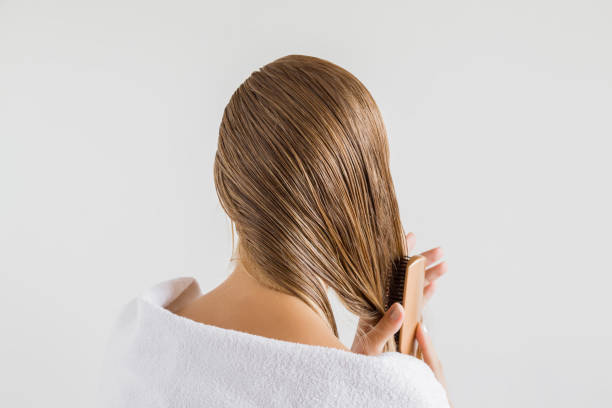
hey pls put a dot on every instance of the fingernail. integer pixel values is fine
(395, 313)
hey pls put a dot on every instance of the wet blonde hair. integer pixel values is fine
(302, 170)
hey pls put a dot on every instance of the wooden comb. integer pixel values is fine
(405, 286)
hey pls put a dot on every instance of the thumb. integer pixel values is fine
(386, 327)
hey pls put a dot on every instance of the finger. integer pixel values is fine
(410, 241)
(432, 256)
(390, 323)
(429, 354)
(429, 291)
(435, 272)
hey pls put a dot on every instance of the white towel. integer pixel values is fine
(157, 358)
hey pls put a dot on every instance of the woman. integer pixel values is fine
(302, 170)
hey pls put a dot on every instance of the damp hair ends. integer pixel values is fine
(302, 170)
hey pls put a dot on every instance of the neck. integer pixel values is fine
(242, 303)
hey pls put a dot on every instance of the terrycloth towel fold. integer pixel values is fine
(157, 358)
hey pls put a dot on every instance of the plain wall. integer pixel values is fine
(499, 121)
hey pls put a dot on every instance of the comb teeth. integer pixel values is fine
(395, 286)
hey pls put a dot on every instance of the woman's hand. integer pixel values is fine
(429, 354)
(372, 341)
(432, 273)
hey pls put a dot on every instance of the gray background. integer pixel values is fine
(498, 116)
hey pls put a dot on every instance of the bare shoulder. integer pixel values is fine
(285, 318)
